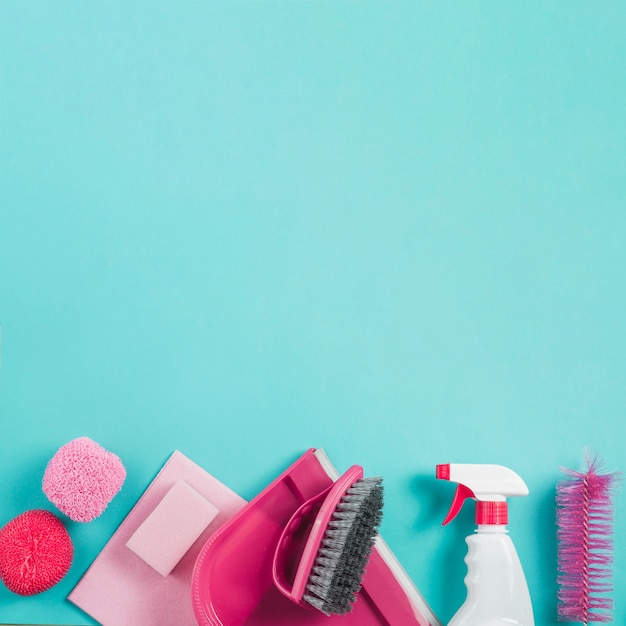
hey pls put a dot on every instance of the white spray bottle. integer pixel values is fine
(497, 593)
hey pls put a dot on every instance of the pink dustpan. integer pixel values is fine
(233, 578)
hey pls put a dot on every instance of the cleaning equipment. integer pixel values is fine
(585, 544)
(125, 586)
(167, 534)
(35, 552)
(245, 574)
(497, 593)
(82, 478)
(333, 556)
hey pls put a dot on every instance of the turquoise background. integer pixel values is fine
(392, 230)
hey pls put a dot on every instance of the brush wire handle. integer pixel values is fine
(323, 506)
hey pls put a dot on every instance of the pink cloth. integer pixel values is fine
(120, 589)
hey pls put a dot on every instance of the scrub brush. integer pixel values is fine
(322, 554)
(585, 544)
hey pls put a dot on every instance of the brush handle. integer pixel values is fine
(286, 549)
(290, 548)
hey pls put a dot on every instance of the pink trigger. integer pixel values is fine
(461, 494)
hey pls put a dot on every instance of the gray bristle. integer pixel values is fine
(346, 548)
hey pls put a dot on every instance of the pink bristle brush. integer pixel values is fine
(585, 544)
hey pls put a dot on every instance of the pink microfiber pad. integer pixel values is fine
(172, 528)
(35, 552)
(120, 588)
(82, 478)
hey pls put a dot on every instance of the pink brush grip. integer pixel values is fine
(288, 547)
(330, 499)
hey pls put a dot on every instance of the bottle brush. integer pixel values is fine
(585, 544)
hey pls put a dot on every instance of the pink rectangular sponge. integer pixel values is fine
(171, 529)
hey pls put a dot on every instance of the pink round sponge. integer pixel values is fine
(82, 478)
(35, 552)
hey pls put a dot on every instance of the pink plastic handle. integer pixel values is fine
(461, 494)
(287, 546)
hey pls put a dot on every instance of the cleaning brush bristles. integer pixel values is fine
(585, 544)
(340, 564)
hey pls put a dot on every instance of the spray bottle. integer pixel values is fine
(497, 593)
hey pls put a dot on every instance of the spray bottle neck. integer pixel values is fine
(492, 513)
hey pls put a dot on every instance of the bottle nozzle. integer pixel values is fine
(443, 471)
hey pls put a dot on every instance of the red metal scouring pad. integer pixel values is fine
(35, 552)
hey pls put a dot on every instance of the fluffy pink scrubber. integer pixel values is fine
(82, 478)
(35, 552)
